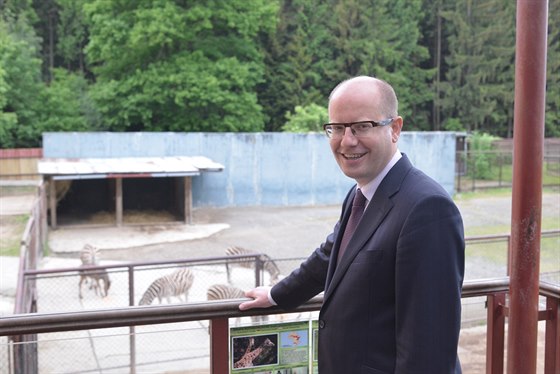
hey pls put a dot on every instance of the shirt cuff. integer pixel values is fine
(270, 299)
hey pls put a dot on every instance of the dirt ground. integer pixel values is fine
(282, 232)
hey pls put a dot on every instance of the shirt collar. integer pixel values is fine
(369, 189)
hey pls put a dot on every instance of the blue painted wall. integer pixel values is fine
(273, 169)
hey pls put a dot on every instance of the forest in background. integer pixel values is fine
(257, 65)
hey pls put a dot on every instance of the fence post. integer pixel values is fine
(495, 333)
(552, 337)
(219, 344)
(132, 330)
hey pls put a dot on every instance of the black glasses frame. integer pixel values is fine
(373, 124)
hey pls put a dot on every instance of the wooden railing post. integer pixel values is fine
(219, 346)
(552, 337)
(495, 333)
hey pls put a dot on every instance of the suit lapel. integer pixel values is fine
(378, 208)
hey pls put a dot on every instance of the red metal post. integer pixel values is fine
(495, 334)
(219, 346)
(552, 337)
(530, 88)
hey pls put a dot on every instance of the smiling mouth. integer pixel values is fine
(353, 156)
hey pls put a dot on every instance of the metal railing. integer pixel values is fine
(479, 170)
(219, 313)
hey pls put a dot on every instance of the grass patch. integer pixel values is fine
(11, 232)
(17, 190)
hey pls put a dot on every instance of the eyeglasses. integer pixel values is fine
(359, 129)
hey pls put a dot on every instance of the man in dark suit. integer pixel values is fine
(392, 301)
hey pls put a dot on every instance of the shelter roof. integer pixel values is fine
(126, 167)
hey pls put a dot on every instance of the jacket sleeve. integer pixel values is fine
(310, 278)
(429, 278)
(306, 281)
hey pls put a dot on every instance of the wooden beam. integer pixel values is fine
(52, 201)
(119, 201)
(188, 200)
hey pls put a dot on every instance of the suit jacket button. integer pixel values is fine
(321, 324)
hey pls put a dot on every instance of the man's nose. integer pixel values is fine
(349, 138)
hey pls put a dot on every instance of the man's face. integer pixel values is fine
(363, 158)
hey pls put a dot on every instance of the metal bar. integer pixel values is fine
(135, 316)
(495, 333)
(21, 324)
(132, 329)
(219, 345)
(172, 263)
(484, 287)
(530, 91)
(552, 337)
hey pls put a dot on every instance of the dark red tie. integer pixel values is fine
(358, 206)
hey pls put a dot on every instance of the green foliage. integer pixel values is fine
(478, 87)
(453, 124)
(20, 85)
(480, 164)
(72, 34)
(66, 104)
(309, 118)
(167, 66)
(480, 141)
(238, 65)
(552, 113)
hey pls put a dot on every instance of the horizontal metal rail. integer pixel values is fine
(504, 237)
(22, 324)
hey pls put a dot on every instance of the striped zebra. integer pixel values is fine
(224, 292)
(268, 263)
(89, 255)
(98, 279)
(175, 284)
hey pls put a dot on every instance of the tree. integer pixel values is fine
(66, 105)
(552, 115)
(171, 66)
(309, 118)
(20, 82)
(72, 35)
(478, 85)
(298, 61)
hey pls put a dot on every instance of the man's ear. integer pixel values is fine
(396, 127)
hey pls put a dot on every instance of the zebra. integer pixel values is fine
(95, 277)
(225, 291)
(268, 263)
(175, 284)
(89, 255)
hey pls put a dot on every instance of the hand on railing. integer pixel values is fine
(260, 298)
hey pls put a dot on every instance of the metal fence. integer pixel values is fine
(185, 344)
(167, 338)
(478, 170)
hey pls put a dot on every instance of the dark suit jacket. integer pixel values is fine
(393, 304)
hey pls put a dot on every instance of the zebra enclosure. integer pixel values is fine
(154, 348)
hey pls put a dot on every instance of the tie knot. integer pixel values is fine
(359, 199)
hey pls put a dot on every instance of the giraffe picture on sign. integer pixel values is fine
(256, 350)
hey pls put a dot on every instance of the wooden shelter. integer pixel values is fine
(182, 169)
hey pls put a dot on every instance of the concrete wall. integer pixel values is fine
(273, 169)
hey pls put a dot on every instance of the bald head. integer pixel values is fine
(377, 91)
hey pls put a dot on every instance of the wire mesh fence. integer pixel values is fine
(478, 170)
(174, 347)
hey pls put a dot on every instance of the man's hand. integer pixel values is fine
(260, 298)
